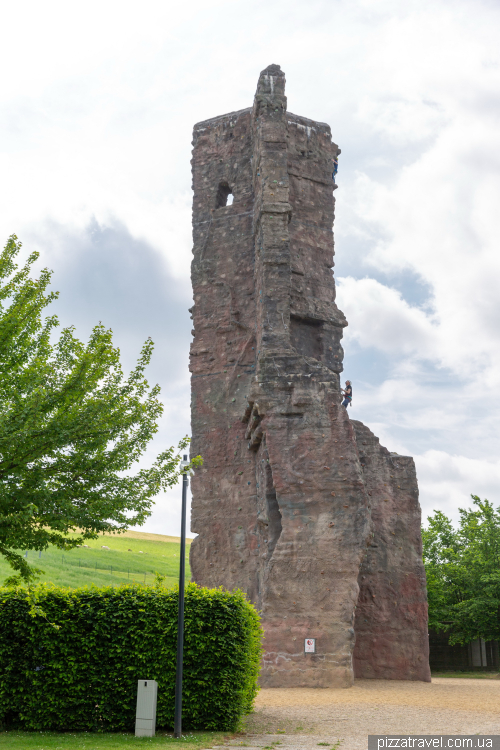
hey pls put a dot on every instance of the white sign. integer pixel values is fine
(310, 645)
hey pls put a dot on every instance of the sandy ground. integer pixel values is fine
(302, 719)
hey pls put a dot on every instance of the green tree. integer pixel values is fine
(72, 427)
(463, 573)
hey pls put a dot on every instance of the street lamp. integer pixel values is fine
(180, 619)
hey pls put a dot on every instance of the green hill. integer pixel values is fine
(132, 556)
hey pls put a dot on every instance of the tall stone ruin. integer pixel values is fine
(297, 504)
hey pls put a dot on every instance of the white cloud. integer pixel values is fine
(439, 219)
(446, 482)
(379, 317)
(98, 103)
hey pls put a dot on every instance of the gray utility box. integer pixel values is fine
(145, 718)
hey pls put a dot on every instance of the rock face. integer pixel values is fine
(296, 504)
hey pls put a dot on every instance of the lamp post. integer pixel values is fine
(180, 620)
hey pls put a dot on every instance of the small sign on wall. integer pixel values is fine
(310, 645)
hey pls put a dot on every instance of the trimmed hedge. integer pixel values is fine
(83, 676)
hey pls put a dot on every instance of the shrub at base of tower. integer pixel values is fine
(77, 668)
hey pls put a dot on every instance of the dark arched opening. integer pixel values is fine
(224, 196)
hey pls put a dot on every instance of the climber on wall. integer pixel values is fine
(335, 168)
(347, 394)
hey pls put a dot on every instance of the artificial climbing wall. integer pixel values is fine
(284, 506)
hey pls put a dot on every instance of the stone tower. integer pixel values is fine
(296, 504)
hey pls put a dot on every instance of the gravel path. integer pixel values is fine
(303, 719)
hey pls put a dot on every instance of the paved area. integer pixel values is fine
(303, 719)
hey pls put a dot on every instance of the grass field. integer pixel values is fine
(132, 556)
(87, 741)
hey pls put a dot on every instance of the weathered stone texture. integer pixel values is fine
(391, 613)
(284, 507)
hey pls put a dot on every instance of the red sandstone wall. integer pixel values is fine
(223, 356)
(391, 613)
(284, 508)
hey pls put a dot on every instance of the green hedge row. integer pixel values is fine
(83, 676)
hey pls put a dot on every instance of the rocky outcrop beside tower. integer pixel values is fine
(391, 613)
(291, 499)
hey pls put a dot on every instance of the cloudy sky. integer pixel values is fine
(97, 104)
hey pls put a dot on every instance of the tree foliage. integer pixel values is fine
(463, 573)
(72, 426)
